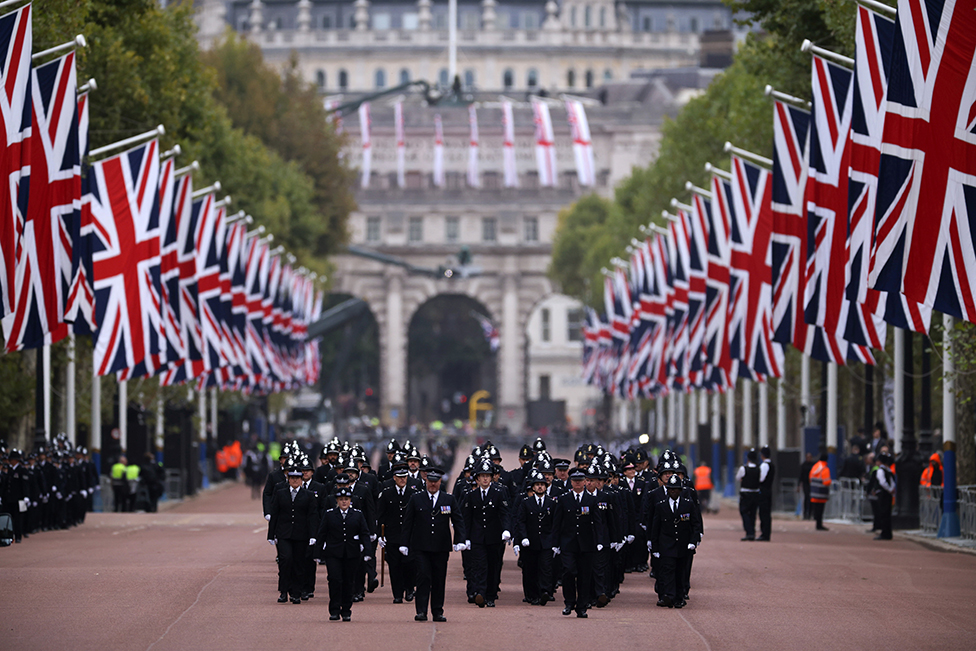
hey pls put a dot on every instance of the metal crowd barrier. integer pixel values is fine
(847, 501)
(967, 510)
(929, 507)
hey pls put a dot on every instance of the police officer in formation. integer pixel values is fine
(674, 535)
(49, 489)
(390, 511)
(292, 523)
(486, 520)
(342, 540)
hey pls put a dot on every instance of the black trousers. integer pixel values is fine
(484, 570)
(766, 514)
(874, 514)
(577, 578)
(309, 567)
(342, 574)
(431, 580)
(673, 571)
(818, 511)
(882, 518)
(401, 571)
(536, 573)
(17, 521)
(807, 504)
(291, 556)
(748, 505)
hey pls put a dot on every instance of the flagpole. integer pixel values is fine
(717, 441)
(679, 422)
(123, 415)
(46, 358)
(122, 144)
(70, 390)
(730, 441)
(213, 415)
(659, 437)
(805, 390)
(832, 418)
(202, 404)
(692, 424)
(77, 41)
(949, 525)
(748, 435)
(672, 435)
(780, 415)
(160, 427)
(763, 414)
(899, 349)
(95, 435)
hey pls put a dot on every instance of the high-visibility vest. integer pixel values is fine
(234, 455)
(132, 472)
(703, 479)
(220, 459)
(118, 471)
(926, 477)
(820, 483)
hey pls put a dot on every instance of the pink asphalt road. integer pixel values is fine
(202, 576)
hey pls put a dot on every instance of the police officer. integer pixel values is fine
(390, 512)
(882, 487)
(533, 530)
(319, 493)
(675, 533)
(486, 520)
(750, 478)
(293, 523)
(766, 494)
(427, 523)
(16, 493)
(579, 534)
(343, 536)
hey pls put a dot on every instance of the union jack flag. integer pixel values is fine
(718, 374)
(255, 284)
(237, 252)
(924, 220)
(53, 197)
(80, 307)
(697, 284)
(169, 267)
(677, 242)
(825, 301)
(874, 36)
(750, 310)
(125, 258)
(489, 331)
(15, 152)
(210, 248)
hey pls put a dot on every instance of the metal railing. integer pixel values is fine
(929, 507)
(967, 510)
(847, 501)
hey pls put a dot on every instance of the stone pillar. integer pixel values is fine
(304, 15)
(510, 403)
(393, 352)
(256, 19)
(423, 15)
(362, 15)
(488, 14)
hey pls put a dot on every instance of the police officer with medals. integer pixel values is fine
(533, 529)
(579, 534)
(390, 512)
(674, 534)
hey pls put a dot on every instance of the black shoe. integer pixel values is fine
(882, 537)
(544, 599)
(665, 602)
(602, 600)
(489, 603)
(398, 601)
(304, 596)
(357, 598)
(439, 618)
(372, 586)
(283, 598)
(311, 595)
(296, 600)
(581, 614)
(408, 596)
(822, 528)
(870, 531)
(420, 618)
(567, 611)
(333, 618)
(762, 539)
(681, 603)
(480, 600)
(471, 599)
(747, 538)
(347, 618)
(685, 598)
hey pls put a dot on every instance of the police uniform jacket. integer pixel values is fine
(535, 522)
(275, 477)
(672, 531)
(606, 502)
(320, 493)
(427, 528)
(651, 497)
(342, 537)
(296, 519)
(578, 527)
(325, 474)
(15, 488)
(413, 483)
(486, 516)
(390, 511)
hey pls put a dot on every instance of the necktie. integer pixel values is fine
(539, 500)
(579, 498)
(343, 515)
(674, 505)
(294, 492)
(433, 500)
(484, 495)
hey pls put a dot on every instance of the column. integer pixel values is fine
(832, 418)
(393, 361)
(748, 435)
(730, 464)
(949, 526)
(780, 415)
(716, 440)
(510, 402)
(763, 414)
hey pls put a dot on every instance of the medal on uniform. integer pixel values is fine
(446, 510)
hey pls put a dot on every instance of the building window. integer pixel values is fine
(648, 24)
(588, 16)
(489, 229)
(570, 78)
(452, 229)
(544, 388)
(546, 325)
(320, 79)
(380, 78)
(530, 20)
(508, 78)
(468, 79)
(574, 325)
(381, 21)
(404, 76)
(410, 21)
(416, 229)
(470, 20)
(608, 75)
(533, 78)
(343, 80)
(589, 79)
(531, 229)
(442, 79)
(372, 229)
(326, 22)
(572, 17)
(694, 25)
(603, 16)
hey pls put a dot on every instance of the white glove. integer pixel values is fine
(405, 551)
(360, 548)
(366, 558)
(515, 548)
(599, 548)
(525, 542)
(629, 539)
(506, 536)
(691, 545)
(84, 493)
(467, 545)
(372, 538)
(54, 488)
(649, 545)
(643, 526)
(59, 497)
(458, 547)
(382, 543)
(555, 551)
(617, 546)
(267, 517)
(272, 542)
(34, 504)
(656, 555)
(311, 541)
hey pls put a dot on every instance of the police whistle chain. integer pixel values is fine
(382, 556)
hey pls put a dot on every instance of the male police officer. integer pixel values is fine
(579, 535)
(486, 520)
(294, 520)
(533, 528)
(675, 533)
(343, 535)
(390, 511)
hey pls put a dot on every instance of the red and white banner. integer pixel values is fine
(545, 149)
(582, 145)
(364, 128)
(401, 145)
(474, 180)
(438, 152)
(508, 152)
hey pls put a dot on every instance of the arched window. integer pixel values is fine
(380, 78)
(603, 16)
(320, 79)
(442, 79)
(404, 76)
(588, 16)
(343, 80)
(570, 78)
(508, 78)
(533, 78)
(469, 79)
(589, 79)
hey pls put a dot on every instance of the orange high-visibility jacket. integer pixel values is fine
(703, 478)
(820, 483)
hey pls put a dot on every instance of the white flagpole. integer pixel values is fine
(730, 441)
(899, 390)
(780, 415)
(70, 390)
(659, 434)
(95, 436)
(123, 415)
(160, 438)
(46, 356)
(716, 440)
(763, 414)
(748, 440)
(213, 416)
(805, 389)
(202, 414)
(832, 414)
